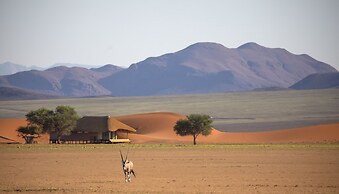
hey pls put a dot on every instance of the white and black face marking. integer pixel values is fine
(124, 165)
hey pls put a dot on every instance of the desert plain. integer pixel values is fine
(296, 150)
(170, 168)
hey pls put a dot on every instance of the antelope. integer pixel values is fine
(127, 167)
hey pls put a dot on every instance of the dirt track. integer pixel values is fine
(242, 169)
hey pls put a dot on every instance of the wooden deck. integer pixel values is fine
(120, 140)
(91, 141)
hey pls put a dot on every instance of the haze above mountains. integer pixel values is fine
(200, 68)
(9, 68)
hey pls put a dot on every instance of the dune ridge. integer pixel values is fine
(158, 128)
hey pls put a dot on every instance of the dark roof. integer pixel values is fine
(101, 124)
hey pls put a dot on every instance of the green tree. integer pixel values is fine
(30, 132)
(65, 120)
(61, 121)
(42, 117)
(194, 125)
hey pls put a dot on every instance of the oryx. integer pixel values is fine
(127, 167)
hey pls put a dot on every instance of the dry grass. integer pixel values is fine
(247, 111)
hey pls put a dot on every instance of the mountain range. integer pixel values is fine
(9, 68)
(62, 81)
(200, 68)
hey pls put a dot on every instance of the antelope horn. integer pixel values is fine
(122, 161)
(122, 158)
(127, 154)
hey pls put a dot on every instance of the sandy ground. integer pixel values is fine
(173, 169)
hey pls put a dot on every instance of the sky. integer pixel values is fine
(123, 32)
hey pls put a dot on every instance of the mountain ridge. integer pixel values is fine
(9, 68)
(203, 67)
(216, 69)
(60, 81)
(318, 81)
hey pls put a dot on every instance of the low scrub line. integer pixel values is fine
(106, 147)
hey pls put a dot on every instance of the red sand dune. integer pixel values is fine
(158, 128)
(154, 127)
(9, 134)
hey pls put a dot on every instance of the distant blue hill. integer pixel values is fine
(318, 81)
(9, 68)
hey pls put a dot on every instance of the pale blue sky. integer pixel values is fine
(122, 32)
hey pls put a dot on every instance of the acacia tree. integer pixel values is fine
(61, 121)
(42, 117)
(194, 125)
(65, 120)
(30, 132)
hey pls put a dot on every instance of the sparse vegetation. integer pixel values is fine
(230, 111)
(30, 132)
(49, 148)
(61, 121)
(194, 125)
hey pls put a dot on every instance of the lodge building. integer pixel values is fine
(97, 129)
